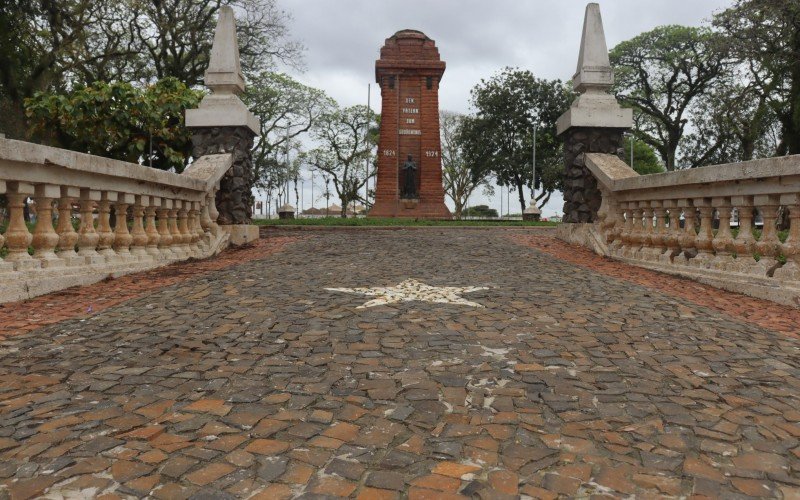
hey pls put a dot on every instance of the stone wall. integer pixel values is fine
(582, 198)
(235, 197)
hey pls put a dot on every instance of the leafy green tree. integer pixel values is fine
(175, 36)
(661, 74)
(732, 123)
(764, 36)
(460, 181)
(498, 140)
(52, 45)
(119, 120)
(645, 160)
(287, 109)
(481, 211)
(344, 144)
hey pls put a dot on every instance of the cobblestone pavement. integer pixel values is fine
(254, 379)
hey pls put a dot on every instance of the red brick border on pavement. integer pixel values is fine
(763, 313)
(83, 301)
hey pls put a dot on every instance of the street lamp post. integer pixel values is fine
(533, 183)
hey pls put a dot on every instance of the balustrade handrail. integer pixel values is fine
(764, 176)
(38, 164)
(682, 220)
(172, 216)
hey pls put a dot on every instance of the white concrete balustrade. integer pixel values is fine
(680, 222)
(171, 217)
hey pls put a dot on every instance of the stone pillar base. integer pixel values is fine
(241, 234)
(582, 197)
(412, 209)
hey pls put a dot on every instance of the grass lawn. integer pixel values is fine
(338, 221)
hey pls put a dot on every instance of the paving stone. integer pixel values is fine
(579, 376)
(386, 480)
(345, 468)
(209, 473)
(272, 468)
(267, 447)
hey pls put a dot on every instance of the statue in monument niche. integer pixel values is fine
(410, 186)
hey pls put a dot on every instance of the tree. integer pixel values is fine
(119, 121)
(732, 123)
(40, 41)
(498, 140)
(52, 45)
(764, 36)
(287, 109)
(481, 211)
(645, 160)
(660, 74)
(344, 146)
(175, 35)
(459, 180)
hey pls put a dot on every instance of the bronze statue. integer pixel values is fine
(410, 186)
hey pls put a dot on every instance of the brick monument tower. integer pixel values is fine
(409, 152)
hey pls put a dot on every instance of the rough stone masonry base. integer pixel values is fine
(241, 234)
(581, 196)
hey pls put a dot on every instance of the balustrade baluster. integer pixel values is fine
(122, 236)
(723, 241)
(627, 229)
(140, 238)
(634, 232)
(647, 231)
(791, 247)
(688, 235)
(205, 218)
(671, 237)
(18, 238)
(198, 248)
(151, 228)
(704, 243)
(67, 236)
(744, 242)
(659, 230)
(177, 238)
(212, 211)
(183, 227)
(106, 242)
(618, 229)
(87, 235)
(164, 235)
(45, 237)
(768, 245)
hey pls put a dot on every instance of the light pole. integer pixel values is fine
(288, 126)
(501, 202)
(631, 150)
(366, 143)
(533, 183)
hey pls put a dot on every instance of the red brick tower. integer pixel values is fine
(409, 72)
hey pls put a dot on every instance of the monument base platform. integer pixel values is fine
(410, 210)
(241, 234)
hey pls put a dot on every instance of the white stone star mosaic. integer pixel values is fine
(413, 290)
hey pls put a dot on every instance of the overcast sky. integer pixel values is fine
(476, 38)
